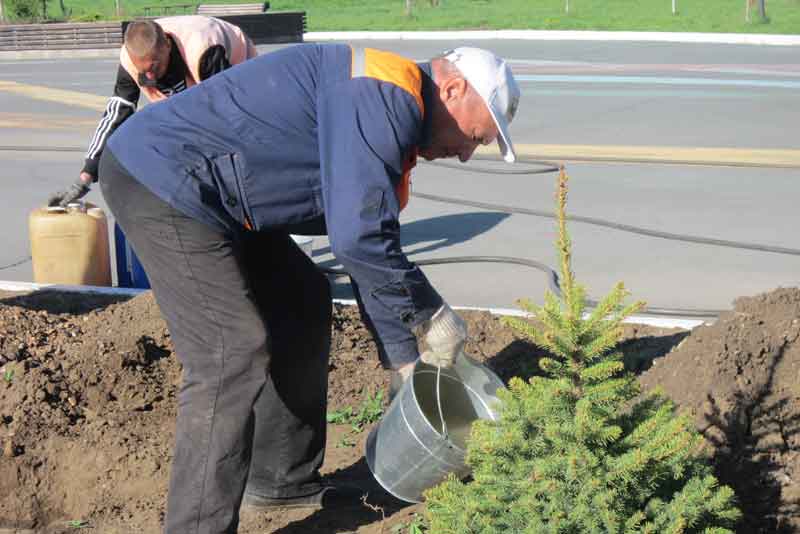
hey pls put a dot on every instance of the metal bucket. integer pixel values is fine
(411, 450)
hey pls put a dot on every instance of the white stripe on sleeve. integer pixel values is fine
(110, 118)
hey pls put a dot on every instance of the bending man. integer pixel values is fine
(160, 58)
(310, 139)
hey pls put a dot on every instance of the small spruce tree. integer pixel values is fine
(577, 451)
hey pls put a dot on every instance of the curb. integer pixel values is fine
(660, 322)
(521, 35)
(566, 35)
(61, 54)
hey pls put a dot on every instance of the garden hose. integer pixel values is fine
(540, 167)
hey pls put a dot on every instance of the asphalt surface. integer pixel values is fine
(609, 101)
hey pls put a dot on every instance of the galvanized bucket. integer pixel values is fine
(422, 436)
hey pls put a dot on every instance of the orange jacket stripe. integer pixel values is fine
(403, 73)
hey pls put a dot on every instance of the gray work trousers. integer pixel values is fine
(250, 319)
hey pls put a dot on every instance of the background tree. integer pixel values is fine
(65, 11)
(576, 451)
(25, 10)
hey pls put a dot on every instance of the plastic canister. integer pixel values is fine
(70, 245)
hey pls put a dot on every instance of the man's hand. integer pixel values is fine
(75, 191)
(446, 336)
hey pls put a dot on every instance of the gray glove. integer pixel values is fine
(75, 191)
(446, 335)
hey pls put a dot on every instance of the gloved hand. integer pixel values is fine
(75, 191)
(446, 335)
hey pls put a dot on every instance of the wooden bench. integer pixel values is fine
(60, 36)
(273, 27)
(215, 10)
(150, 11)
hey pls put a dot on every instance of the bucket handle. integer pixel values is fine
(439, 400)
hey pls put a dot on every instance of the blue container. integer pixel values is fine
(130, 272)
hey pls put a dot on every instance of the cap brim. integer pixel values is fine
(503, 137)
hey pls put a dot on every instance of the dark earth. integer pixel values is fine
(88, 399)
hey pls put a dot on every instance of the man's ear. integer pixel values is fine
(453, 89)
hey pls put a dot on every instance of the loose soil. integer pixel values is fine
(88, 401)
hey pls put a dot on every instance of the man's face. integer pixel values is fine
(152, 68)
(461, 124)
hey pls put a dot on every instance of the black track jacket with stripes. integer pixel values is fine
(126, 97)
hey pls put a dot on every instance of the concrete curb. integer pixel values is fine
(660, 322)
(563, 35)
(60, 54)
(523, 35)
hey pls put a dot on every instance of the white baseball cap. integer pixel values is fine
(491, 77)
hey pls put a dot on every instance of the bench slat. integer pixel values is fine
(232, 9)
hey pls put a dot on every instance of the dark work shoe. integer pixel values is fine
(331, 497)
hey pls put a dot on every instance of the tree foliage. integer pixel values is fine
(577, 450)
(26, 10)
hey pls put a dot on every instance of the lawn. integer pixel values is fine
(644, 15)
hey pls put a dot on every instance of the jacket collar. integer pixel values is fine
(428, 87)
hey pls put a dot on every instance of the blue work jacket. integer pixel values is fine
(313, 138)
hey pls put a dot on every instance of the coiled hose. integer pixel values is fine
(539, 167)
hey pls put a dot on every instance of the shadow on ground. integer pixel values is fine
(743, 461)
(378, 505)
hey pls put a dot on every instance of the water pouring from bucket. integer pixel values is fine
(422, 437)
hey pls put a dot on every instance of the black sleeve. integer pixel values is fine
(119, 108)
(213, 61)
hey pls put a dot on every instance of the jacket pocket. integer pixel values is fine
(229, 171)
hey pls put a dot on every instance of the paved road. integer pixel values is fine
(604, 108)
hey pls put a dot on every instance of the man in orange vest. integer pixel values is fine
(160, 58)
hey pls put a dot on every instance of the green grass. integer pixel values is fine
(617, 15)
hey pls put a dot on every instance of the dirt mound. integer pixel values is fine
(87, 402)
(88, 387)
(87, 407)
(740, 378)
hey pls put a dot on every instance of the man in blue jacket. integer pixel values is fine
(311, 139)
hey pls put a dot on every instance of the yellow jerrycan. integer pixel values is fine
(70, 245)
